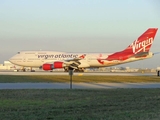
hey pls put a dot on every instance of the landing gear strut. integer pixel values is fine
(23, 69)
(66, 69)
(32, 70)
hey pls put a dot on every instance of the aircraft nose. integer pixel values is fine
(11, 60)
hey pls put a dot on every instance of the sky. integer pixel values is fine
(77, 26)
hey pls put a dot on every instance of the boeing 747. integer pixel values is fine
(49, 60)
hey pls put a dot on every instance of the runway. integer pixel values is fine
(79, 74)
(77, 85)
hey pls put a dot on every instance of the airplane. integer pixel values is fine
(49, 60)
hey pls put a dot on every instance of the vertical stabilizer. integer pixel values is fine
(140, 45)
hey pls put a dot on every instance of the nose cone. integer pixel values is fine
(14, 59)
(11, 60)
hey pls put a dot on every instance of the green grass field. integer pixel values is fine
(76, 104)
(101, 104)
(63, 78)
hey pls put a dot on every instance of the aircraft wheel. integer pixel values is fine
(32, 70)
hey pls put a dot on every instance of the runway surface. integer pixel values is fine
(77, 85)
(79, 74)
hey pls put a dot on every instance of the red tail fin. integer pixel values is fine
(142, 44)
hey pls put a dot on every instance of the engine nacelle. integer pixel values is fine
(55, 65)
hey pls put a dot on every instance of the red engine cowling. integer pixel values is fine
(55, 65)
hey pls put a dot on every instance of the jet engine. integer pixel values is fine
(55, 65)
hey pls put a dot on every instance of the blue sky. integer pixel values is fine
(77, 26)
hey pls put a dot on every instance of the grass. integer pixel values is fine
(63, 78)
(102, 104)
(76, 104)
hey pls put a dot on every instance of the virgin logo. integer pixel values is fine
(139, 46)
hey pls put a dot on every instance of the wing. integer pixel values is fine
(74, 63)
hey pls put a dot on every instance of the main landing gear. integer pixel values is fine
(24, 70)
(32, 70)
(75, 70)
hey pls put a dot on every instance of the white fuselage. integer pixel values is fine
(38, 58)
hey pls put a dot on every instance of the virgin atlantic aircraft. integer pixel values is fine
(49, 60)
